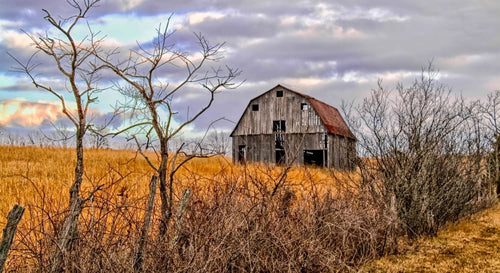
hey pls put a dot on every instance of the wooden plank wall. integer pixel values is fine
(286, 108)
(304, 131)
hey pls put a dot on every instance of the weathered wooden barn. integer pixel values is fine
(285, 126)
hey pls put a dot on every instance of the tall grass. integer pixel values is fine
(238, 218)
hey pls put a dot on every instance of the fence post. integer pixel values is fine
(13, 218)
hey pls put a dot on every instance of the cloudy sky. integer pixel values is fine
(331, 50)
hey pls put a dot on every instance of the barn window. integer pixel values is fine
(304, 106)
(255, 107)
(279, 93)
(279, 126)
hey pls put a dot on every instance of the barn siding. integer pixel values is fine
(304, 131)
(272, 108)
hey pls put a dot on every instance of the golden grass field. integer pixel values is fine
(471, 245)
(27, 171)
(31, 176)
(39, 179)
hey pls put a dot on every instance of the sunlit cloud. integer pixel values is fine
(24, 113)
(198, 17)
(20, 112)
(12, 37)
(129, 4)
(460, 60)
(339, 12)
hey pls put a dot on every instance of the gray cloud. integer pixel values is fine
(343, 46)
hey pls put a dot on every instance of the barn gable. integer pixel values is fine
(281, 124)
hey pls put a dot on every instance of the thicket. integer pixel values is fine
(428, 153)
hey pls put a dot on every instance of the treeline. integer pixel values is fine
(213, 141)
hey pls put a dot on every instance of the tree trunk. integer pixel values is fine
(166, 214)
(138, 262)
(166, 206)
(69, 228)
(13, 218)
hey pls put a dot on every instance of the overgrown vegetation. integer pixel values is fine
(233, 222)
(427, 154)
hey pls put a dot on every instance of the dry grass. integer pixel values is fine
(26, 170)
(472, 245)
(229, 202)
(53, 169)
(316, 222)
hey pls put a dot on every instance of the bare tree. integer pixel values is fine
(424, 157)
(151, 101)
(218, 142)
(490, 111)
(71, 57)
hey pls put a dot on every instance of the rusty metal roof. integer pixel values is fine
(329, 115)
(331, 118)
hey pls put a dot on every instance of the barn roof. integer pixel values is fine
(329, 115)
(331, 118)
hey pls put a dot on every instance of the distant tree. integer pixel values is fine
(490, 111)
(151, 103)
(71, 56)
(218, 142)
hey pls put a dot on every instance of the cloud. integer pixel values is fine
(24, 113)
(333, 50)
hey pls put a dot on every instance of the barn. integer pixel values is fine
(285, 126)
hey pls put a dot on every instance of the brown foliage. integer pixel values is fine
(427, 154)
(235, 221)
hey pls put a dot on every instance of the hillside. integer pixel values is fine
(472, 245)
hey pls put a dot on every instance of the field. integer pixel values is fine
(27, 171)
(316, 221)
(472, 245)
(229, 202)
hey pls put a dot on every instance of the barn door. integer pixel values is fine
(315, 157)
(241, 153)
(280, 156)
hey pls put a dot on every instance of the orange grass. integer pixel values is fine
(27, 172)
(40, 178)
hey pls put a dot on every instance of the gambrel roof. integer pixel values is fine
(329, 115)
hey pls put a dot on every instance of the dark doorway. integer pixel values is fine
(315, 157)
(241, 153)
(280, 157)
(279, 141)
